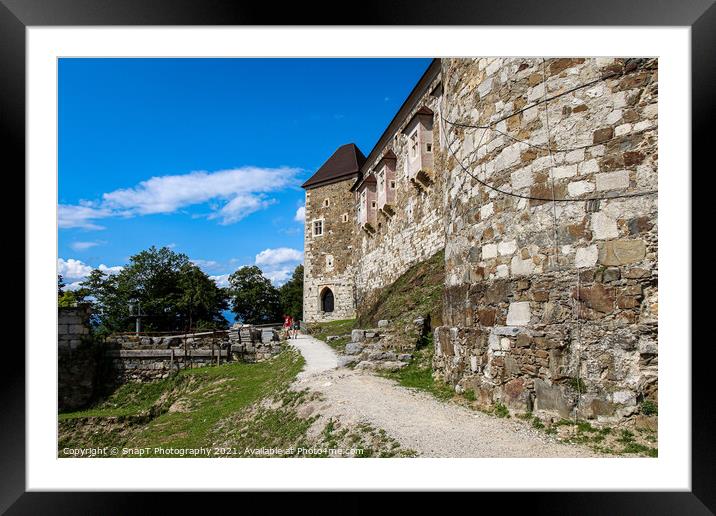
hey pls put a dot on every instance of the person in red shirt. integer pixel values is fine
(287, 324)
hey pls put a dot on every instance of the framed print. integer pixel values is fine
(439, 239)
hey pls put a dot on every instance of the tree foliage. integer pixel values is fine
(172, 293)
(291, 294)
(254, 299)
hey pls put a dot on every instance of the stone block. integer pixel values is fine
(613, 180)
(383, 323)
(576, 188)
(522, 267)
(586, 256)
(596, 297)
(357, 335)
(602, 135)
(489, 251)
(550, 397)
(518, 314)
(603, 226)
(621, 252)
(516, 396)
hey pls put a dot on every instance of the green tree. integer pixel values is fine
(173, 294)
(254, 299)
(291, 294)
(201, 301)
(69, 298)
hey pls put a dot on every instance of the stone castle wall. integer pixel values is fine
(335, 244)
(551, 306)
(416, 230)
(76, 358)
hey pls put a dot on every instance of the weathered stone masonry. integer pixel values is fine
(549, 306)
(415, 230)
(546, 301)
(329, 256)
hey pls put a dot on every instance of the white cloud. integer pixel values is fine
(83, 246)
(80, 216)
(77, 270)
(221, 280)
(279, 277)
(300, 214)
(206, 264)
(278, 256)
(234, 193)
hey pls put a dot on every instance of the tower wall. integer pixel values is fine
(328, 258)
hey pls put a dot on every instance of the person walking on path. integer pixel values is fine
(287, 325)
(296, 328)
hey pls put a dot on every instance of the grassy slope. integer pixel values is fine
(416, 293)
(181, 411)
(232, 409)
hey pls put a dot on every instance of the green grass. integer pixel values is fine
(341, 328)
(416, 293)
(418, 374)
(577, 384)
(500, 410)
(131, 399)
(140, 415)
(603, 440)
(649, 408)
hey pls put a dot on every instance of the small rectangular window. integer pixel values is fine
(392, 184)
(372, 204)
(429, 147)
(317, 227)
(345, 217)
(414, 144)
(326, 203)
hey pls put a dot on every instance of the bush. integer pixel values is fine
(649, 408)
(501, 410)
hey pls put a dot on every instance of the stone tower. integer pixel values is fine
(329, 288)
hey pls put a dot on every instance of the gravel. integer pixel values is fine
(415, 419)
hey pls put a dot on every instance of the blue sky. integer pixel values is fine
(207, 155)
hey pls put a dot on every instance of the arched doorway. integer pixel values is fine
(327, 300)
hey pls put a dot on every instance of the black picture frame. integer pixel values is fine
(17, 15)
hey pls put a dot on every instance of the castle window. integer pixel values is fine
(326, 203)
(345, 217)
(317, 227)
(329, 261)
(366, 204)
(327, 300)
(414, 144)
(392, 184)
(420, 145)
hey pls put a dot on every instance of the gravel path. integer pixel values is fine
(416, 419)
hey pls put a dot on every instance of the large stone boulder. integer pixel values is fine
(353, 348)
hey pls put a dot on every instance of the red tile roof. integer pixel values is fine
(343, 164)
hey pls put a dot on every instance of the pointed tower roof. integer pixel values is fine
(343, 164)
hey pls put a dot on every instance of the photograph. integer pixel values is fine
(358, 257)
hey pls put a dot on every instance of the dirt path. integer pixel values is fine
(415, 419)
